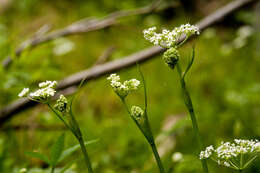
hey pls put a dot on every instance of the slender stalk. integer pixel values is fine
(189, 105)
(52, 169)
(149, 137)
(240, 170)
(78, 135)
(157, 157)
(85, 153)
(59, 116)
(74, 128)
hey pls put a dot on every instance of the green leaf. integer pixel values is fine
(68, 165)
(190, 63)
(56, 149)
(38, 156)
(72, 149)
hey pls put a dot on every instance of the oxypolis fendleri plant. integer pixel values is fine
(138, 114)
(237, 155)
(43, 94)
(171, 41)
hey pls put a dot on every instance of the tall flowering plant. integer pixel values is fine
(171, 41)
(138, 115)
(62, 109)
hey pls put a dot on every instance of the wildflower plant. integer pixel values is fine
(62, 109)
(237, 155)
(171, 41)
(138, 114)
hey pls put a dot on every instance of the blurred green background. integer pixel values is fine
(224, 83)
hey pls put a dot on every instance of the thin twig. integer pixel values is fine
(82, 26)
(105, 55)
(100, 70)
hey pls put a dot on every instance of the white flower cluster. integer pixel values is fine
(62, 104)
(168, 38)
(228, 152)
(46, 90)
(122, 89)
(207, 153)
(24, 92)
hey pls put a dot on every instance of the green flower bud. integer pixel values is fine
(171, 57)
(62, 105)
(137, 113)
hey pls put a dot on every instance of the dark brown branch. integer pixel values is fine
(82, 26)
(100, 70)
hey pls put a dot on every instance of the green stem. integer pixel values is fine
(189, 105)
(52, 169)
(59, 116)
(157, 157)
(148, 136)
(85, 153)
(74, 128)
(78, 135)
(240, 170)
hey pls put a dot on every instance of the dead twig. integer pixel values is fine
(82, 26)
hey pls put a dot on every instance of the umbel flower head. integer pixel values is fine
(45, 91)
(237, 155)
(122, 89)
(62, 105)
(137, 113)
(168, 39)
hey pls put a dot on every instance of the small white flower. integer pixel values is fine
(122, 89)
(168, 39)
(227, 153)
(23, 170)
(46, 90)
(24, 92)
(207, 153)
(177, 157)
(51, 84)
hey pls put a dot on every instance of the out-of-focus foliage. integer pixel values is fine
(224, 84)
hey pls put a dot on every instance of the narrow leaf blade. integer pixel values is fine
(56, 149)
(38, 156)
(72, 149)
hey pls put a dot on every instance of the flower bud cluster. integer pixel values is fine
(137, 113)
(122, 89)
(228, 152)
(168, 38)
(45, 91)
(62, 104)
(171, 57)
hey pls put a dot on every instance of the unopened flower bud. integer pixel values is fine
(171, 57)
(137, 113)
(62, 105)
